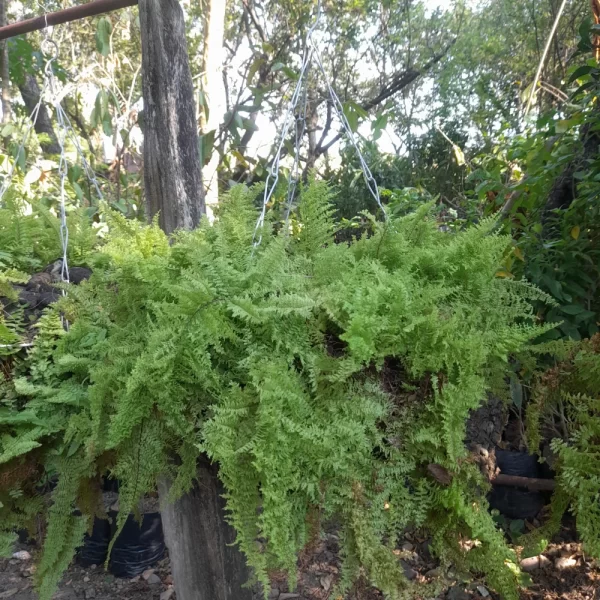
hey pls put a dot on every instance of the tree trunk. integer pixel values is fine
(214, 92)
(172, 172)
(4, 73)
(205, 564)
(564, 188)
(30, 92)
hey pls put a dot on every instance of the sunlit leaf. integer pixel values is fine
(32, 175)
(103, 31)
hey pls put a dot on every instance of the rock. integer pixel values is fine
(274, 594)
(457, 593)
(9, 593)
(153, 579)
(91, 593)
(22, 555)
(326, 582)
(434, 572)
(407, 547)
(86, 579)
(39, 282)
(167, 593)
(48, 298)
(135, 579)
(169, 579)
(409, 572)
(482, 591)
(288, 596)
(147, 574)
(79, 274)
(565, 563)
(92, 567)
(533, 563)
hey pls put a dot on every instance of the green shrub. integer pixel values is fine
(271, 361)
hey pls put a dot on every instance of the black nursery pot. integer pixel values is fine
(95, 545)
(138, 546)
(516, 503)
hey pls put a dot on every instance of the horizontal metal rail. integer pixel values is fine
(64, 16)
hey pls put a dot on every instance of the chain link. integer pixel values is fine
(273, 175)
(300, 94)
(339, 110)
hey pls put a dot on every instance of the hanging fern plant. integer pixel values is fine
(269, 360)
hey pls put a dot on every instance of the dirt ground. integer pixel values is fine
(565, 574)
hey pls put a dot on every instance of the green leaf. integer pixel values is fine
(254, 67)
(78, 190)
(107, 126)
(572, 309)
(249, 125)
(564, 125)
(570, 330)
(586, 86)
(351, 116)
(103, 31)
(378, 125)
(585, 30)
(517, 526)
(580, 72)
(237, 120)
(205, 146)
(290, 73)
(516, 391)
(553, 285)
(21, 158)
(32, 175)
(94, 118)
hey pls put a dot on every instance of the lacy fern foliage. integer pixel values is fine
(269, 360)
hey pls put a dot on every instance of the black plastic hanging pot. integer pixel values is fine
(516, 503)
(137, 547)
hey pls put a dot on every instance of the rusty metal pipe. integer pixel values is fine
(64, 16)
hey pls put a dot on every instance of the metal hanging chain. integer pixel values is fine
(299, 135)
(339, 110)
(273, 175)
(310, 50)
(73, 137)
(63, 167)
(50, 47)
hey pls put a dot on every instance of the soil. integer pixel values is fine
(568, 575)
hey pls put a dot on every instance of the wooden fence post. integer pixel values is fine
(172, 171)
(205, 565)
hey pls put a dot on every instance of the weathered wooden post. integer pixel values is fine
(172, 171)
(205, 565)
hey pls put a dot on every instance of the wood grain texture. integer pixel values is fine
(172, 171)
(205, 565)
